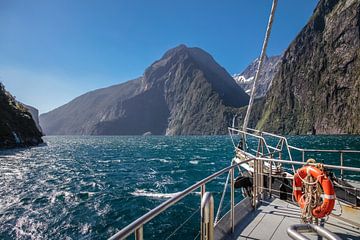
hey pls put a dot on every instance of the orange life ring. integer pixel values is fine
(329, 194)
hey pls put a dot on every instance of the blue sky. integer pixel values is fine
(54, 51)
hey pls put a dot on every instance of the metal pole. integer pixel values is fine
(255, 183)
(207, 217)
(295, 232)
(270, 178)
(341, 164)
(202, 190)
(259, 67)
(261, 170)
(139, 233)
(232, 200)
(202, 193)
(303, 155)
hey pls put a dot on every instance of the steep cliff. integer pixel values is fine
(246, 78)
(185, 92)
(317, 88)
(17, 127)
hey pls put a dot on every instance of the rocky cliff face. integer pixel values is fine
(246, 78)
(317, 88)
(185, 92)
(17, 127)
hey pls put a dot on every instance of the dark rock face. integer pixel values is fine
(185, 92)
(246, 78)
(17, 127)
(317, 88)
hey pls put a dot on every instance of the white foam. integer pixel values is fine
(195, 162)
(145, 193)
(164, 160)
(85, 228)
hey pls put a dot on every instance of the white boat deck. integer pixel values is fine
(271, 220)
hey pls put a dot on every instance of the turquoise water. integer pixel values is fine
(90, 187)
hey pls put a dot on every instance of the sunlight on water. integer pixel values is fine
(90, 187)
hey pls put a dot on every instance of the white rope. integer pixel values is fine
(310, 183)
(262, 55)
(311, 196)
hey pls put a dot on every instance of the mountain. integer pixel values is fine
(34, 114)
(246, 78)
(185, 92)
(17, 127)
(317, 87)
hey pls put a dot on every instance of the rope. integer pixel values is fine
(262, 55)
(311, 196)
(222, 198)
(341, 210)
(310, 183)
(177, 229)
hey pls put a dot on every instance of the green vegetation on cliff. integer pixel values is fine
(317, 87)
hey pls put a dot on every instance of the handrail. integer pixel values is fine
(207, 217)
(294, 232)
(324, 150)
(293, 147)
(129, 229)
(138, 223)
(353, 169)
(283, 141)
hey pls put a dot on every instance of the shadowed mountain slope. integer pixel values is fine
(185, 92)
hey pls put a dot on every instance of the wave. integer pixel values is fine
(164, 160)
(195, 162)
(145, 193)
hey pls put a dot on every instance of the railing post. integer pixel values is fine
(232, 202)
(202, 193)
(303, 155)
(262, 173)
(255, 183)
(341, 164)
(139, 233)
(207, 217)
(270, 178)
(202, 190)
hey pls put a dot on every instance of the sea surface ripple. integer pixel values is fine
(89, 187)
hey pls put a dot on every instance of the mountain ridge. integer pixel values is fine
(178, 94)
(246, 78)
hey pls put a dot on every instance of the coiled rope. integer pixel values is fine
(312, 193)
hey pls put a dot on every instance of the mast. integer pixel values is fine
(262, 56)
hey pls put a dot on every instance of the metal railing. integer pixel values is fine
(207, 217)
(340, 152)
(137, 225)
(282, 144)
(264, 153)
(258, 193)
(295, 231)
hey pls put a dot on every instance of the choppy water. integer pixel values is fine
(90, 187)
